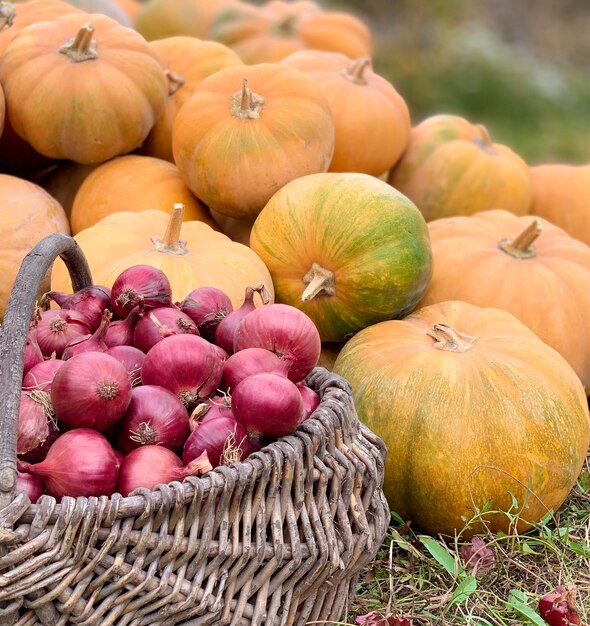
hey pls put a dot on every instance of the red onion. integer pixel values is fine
(159, 323)
(155, 416)
(41, 375)
(268, 405)
(223, 439)
(56, 328)
(91, 390)
(149, 466)
(224, 333)
(213, 407)
(31, 485)
(137, 283)
(187, 365)
(120, 332)
(132, 359)
(558, 607)
(81, 462)
(247, 362)
(310, 399)
(120, 456)
(89, 343)
(90, 302)
(285, 330)
(206, 306)
(37, 426)
(33, 354)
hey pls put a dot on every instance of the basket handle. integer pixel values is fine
(13, 337)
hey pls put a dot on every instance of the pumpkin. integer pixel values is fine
(191, 254)
(523, 265)
(451, 167)
(187, 61)
(15, 17)
(346, 249)
(67, 107)
(561, 195)
(247, 131)
(476, 412)
(277, 29)
(63, 182)
(169, 18)
(366, 108)
(133, 183)
(105, 7)
(27, 214)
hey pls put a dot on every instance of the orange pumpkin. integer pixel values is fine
(525, 266)
(187, 61)
(477, 413)
(249, 130)
(366, 108)
(451, 167)
(169, 18)
(27, 214)
(133, 183)
(191, 254)
(277, 29)
(82, 87)
(561, 194)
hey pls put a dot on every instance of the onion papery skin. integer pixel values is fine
(206, 306)
(120, 332)
(37, 426)
(132, 359)
(81, 462)
(155, 416)
(41, 375)
(223, 438)
(56, 328)
(212, 408)
(140, 283)
(91, 390)
(31, 485)
(159, 323)
(268, 405)
(89, 302)
(286, 331)
(89, 343)
(247, 362)
(149, 466)
(187, 365)
(33, 354)
(310, 398)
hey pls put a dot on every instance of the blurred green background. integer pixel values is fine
(520, 67)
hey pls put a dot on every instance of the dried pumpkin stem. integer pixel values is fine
(7, 15)
(82, 47)
(483, 139)
(175, 81)
(246, 104)
(171, 243)
(521, 247)
(320, 282)
(356, 71)
(451, 340)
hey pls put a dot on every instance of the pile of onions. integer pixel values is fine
(223, 439)
(37, 427)
(89, 302)
(206, 306)
(33, 354)
(56, 328)
(140, 284)
(159, 323)
(41, 375)
(89, 343)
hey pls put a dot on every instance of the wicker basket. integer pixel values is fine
(278, 539)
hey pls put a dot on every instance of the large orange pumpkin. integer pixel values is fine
(477, 413)
(82, 87)
(191, 254)
(133, 183)
(249, 130)
(561, 194)
(525, 266)
(27, 214)
(273, 31)
(371, 120)
(187, 61)
(452, 167)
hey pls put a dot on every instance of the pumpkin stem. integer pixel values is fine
(175, 81)
(171, 243)
(483, 139)
(82, 47)
(246, 104)
(356, 71)
(521, 247)
(7, 15)
(319, 281)
(451, 340)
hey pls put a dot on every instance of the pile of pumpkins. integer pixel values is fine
(448, 278)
